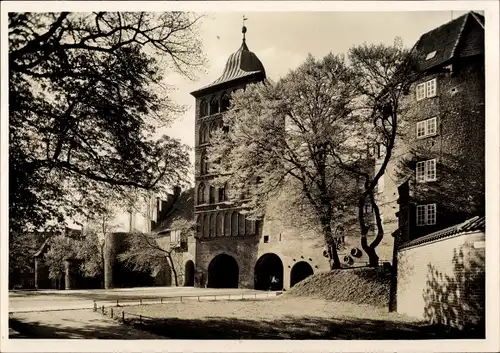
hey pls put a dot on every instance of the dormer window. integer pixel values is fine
(430, 55)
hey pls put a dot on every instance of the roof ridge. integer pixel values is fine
(466, 17)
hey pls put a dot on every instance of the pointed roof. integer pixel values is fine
(242, 63)
(448, 41)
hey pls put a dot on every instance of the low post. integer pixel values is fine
(140, 301)
(181, 298)
(95, 306)
(102, 309)
(123, 316)
(116, 302)
(161, 300)
(111, 312)
(198, 298)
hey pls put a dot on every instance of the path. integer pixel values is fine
(27, 301)
(72, 324)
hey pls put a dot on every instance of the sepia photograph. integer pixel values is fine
(202, 173)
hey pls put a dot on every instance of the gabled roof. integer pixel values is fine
(447, 41)
(477, 223)
(182, 208)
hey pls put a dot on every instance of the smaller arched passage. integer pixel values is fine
(300, 271)
(189, 274)
(223, 272)
(269, 272)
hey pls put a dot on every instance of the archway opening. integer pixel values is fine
(223, 272)
(189, 274)
(300, 271)
(269, 272)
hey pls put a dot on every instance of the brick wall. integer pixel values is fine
(443, 281)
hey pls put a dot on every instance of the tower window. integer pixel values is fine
(224, 103)
(203, 108)
(426, 171)
(212, 195)
(426, 215)
(201, 194)
(222, 194)
(266, 238)
(214, 106)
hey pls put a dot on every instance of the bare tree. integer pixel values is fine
(385, 73)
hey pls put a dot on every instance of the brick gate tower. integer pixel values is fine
(226, 241)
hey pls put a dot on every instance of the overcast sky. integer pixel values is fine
(282, 41)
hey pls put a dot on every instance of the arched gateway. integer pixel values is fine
(269, 272)
(223, 272)
(300, 271)
(189, 274)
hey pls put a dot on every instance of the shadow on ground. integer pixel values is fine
(296, 328)
(89, 331)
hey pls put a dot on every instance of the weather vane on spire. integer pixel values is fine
(244, 29)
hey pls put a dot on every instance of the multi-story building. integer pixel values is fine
(439, 158)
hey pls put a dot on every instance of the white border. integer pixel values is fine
(491, 344)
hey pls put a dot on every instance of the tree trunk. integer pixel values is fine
(102, 266)
(169, 256)
(333, 256)
(370, 251)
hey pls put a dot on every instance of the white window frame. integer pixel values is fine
(420, 172)
(430, 88)
(427, 129)
(425, 171)
(426, 215)
(430, 170)
(423, 128)
(175, 236)
(420, 91)
(427, 89)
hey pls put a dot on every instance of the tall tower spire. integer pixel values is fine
(244, 29)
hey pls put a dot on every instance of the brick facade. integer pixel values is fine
(457, 146)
